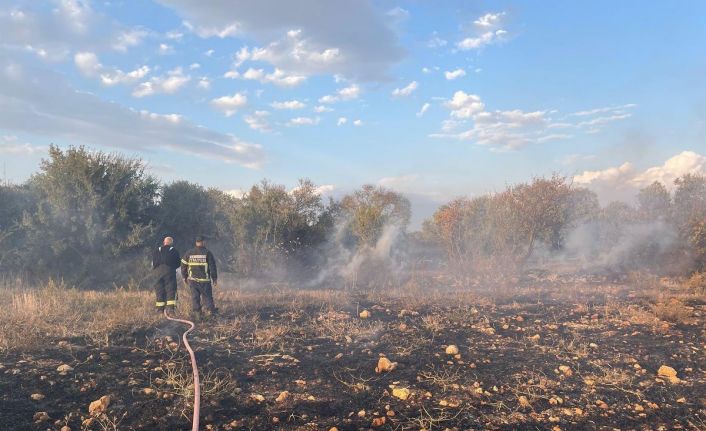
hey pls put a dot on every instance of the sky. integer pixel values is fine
(435, 99)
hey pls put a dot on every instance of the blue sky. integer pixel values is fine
(434, 99)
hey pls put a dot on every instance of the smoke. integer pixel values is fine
(597, 246)
(344, 260)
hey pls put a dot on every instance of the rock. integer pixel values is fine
(282, 397)
(385, 365)
(401, 393)
(364, 314)
(681, 400)
(40, 417)
(452, 349)
(566, 370)
(148, 391)
(524, 402)
(37, 397)
(361, 414)
(639, 408)
(669, 373)
(64, 369)
(378, 422)
(535, 338)
(99, 406)
(333, 429)
(257, 397)
(65, 428)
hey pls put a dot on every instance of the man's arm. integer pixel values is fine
(176, 259)
(213, 271)
(155, 258)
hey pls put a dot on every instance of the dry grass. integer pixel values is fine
(673, 310)
(33, 316)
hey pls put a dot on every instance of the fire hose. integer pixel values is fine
(194, 368)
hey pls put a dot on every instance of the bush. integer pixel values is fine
(93, 218)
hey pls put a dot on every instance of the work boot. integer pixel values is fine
(171, 310)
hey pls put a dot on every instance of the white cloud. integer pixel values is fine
(11, 145)
(436, 42)
(303, 121)
(303, 38)
(686, 162)
(165, 49)
(424, 109)
(89, 65)
(129, 38)
(398, 13)
(399, 183)
(621, 174)
(358, 123)
(488, 29)
(513, 129)
(228, 30)
(229, 105)
(405, 91)
(624, 180)
(464, 105)
(347, 93)
(236, 193)
(204, 83)
(165, 84)
(174, 35)
(426, 70)
(458, 73)
(289, 104)
(194, 66)
(258, 121)
(209, 53)
(41, 101)
(321, 108)
(341, 121)
(277, 77)
(489, 20)
(325, 189)
(54, 31)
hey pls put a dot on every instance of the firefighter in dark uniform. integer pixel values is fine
(198, 269)
(165, 262)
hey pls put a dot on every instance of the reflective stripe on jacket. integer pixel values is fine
(198, 264)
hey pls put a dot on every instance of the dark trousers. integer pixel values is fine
(201, 289)
(165, 288)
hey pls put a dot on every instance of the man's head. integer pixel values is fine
(168, 240)
(200, 241)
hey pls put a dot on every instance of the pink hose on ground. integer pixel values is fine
(194, 368)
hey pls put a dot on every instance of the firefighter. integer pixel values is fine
(165, 262)
(198, 269)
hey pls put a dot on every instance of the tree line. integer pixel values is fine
(90, 218)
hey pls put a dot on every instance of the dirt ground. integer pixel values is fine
(547, 355)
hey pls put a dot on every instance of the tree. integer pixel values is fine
(654, 202)
(94, 215)
(690, 215)
(185, 211)
(15, 201)
(370, 209)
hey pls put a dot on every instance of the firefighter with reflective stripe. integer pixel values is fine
(165, 262)
(198, 268)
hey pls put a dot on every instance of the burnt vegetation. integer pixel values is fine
(535, 307)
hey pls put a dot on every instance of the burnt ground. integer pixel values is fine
(539, 359)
